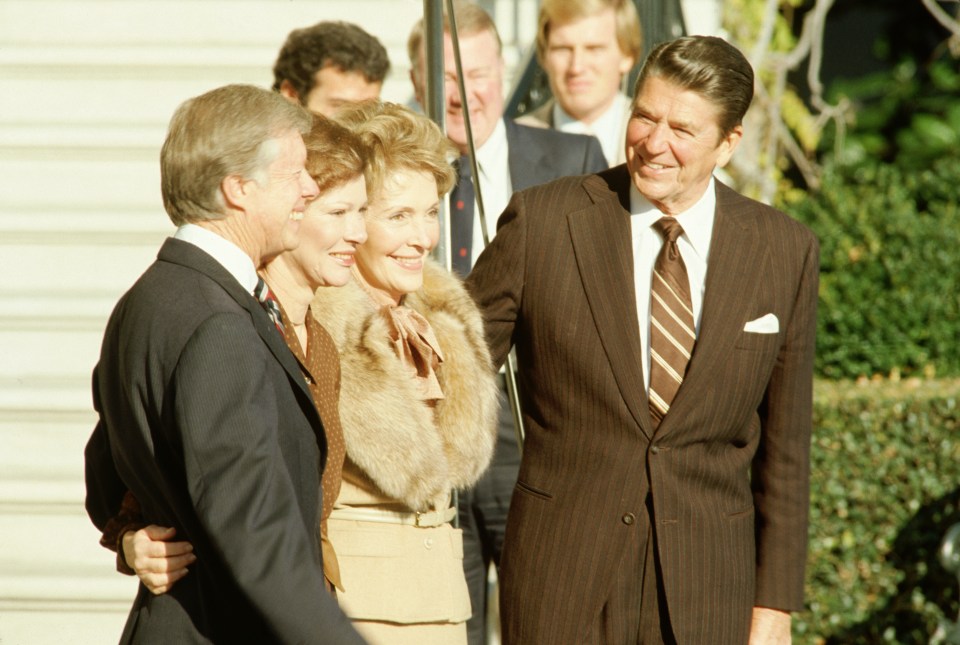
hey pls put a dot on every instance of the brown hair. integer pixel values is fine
(340, 44)
(709, 66)
(629, 36)
(335, 155)
(397, 138)
(231, 130)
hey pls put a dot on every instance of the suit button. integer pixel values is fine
(628, 518)
(428, 543)
(655, 449)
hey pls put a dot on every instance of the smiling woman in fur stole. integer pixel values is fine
(417, 397)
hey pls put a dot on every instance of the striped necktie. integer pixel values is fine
(672, 332)
(269, 303)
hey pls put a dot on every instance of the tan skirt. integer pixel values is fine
(401, 583)
(412, 634)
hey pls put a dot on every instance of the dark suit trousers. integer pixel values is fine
(483, 518)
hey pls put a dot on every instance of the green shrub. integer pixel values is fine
(907, 115)
(885, 488)
(889, 270)
(887, 218)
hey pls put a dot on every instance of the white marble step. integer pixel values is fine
(57, 584)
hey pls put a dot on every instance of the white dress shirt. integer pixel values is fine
(493, 157)
(694, 245)
(226, 253)
(610, 128)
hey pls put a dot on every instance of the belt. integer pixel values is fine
(425, 519)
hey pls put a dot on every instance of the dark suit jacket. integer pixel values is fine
(205, 417)
(539, 155)
(558, 282)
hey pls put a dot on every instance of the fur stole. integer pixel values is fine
(414, 453)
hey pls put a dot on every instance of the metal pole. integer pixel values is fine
(435, 108)
(435, 101)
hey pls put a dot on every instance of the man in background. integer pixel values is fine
(511, 157)
(329, 65)
(587, 48)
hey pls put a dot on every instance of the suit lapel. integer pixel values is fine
(602, 243)
(531, 162)
(525, 160)
(187, 254)
(737, 255)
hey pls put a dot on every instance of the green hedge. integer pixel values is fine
(889, 225)
(889, 273)
(885, 488)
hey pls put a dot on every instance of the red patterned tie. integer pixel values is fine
(672, 332)
(269, 303)
(461, 218)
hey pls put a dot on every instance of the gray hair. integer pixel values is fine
(231, 130)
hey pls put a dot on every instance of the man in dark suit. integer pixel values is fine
(204, 415)
(641, 514)
(511, 157)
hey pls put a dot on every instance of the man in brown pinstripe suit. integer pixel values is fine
(623, 529)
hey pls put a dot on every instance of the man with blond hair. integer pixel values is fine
(204, 414)
(587, 48)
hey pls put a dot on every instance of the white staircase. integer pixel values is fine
(86, 90)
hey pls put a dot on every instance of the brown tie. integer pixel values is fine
(672, 332)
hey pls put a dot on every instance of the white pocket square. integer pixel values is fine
(764, 325)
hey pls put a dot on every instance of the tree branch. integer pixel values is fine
(945, 19)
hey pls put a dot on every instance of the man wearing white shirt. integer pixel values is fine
(664, 328)
(204, 414)
(697, 222)
(587, 48)
(511, 157)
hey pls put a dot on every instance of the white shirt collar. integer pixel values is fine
(493, 157)
(226, 253)
(610, 118)
(697, 221)
(609, 128)
(493, 153)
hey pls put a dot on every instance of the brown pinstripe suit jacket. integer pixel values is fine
(728, 469)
